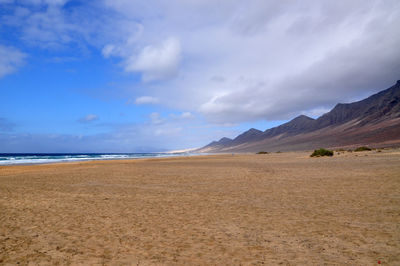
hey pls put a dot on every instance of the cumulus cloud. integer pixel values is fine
(269, 60)
(146, 100)
(156, 61)
(10, 60)
(245, 61)
(370, 63)
(88, 118)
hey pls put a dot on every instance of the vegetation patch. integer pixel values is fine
(321, 152)
(363, 148)
(262, 152)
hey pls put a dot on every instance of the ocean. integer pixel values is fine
(40, 158)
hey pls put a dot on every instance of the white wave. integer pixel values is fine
(37, 159)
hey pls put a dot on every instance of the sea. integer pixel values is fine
(42, 158)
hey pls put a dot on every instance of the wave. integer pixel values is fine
(12, 159)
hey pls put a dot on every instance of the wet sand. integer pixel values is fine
(271, 209)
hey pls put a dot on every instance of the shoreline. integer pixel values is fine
(127, 160)
(62, 161)
(177, 155)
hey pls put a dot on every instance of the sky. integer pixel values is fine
(148, 76)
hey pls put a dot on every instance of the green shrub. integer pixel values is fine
(262, 152)
(321, 152)
(363, 148)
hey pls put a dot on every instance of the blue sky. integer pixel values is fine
(134, 76)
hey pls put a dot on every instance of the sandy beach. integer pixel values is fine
(272, 209)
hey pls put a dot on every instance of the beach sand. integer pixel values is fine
(272, 209)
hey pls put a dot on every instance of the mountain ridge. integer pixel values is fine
(375, 119)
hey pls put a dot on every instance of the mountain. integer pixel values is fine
(296, 126)
(218, 144)
(372, 121)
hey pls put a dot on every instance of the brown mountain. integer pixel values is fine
(373, 121)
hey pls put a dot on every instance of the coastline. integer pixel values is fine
(208, 209)
(39, 161)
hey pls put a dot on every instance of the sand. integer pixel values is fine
(272, 209)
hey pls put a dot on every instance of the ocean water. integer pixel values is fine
(40, 158)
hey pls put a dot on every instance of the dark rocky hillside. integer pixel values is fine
(374, 120)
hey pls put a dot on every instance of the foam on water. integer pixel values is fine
(12, 159)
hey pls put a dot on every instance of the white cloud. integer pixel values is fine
(155, 118)
(271, 59)
(244, 61)
(156, 61)
(89, 118)
(187, 115)
(10, 60)
(108, 50)
(48, 24)
(48, 2)
(146, 100)
(184, 116)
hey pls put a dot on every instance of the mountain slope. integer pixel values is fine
(374, 120)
